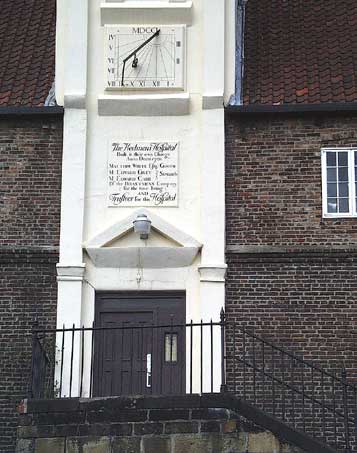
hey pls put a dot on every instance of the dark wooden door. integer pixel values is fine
(141, 350)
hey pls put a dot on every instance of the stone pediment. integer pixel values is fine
(118, 245)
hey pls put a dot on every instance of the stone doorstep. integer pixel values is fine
(94, 404)
(177, 421)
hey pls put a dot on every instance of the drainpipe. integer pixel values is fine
(240, 26)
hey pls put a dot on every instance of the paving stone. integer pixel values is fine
(54, 445)
(59, 418)
(232, 443)
(211, 426)
(65, 430)
(73, 445)
(121, 429)
(101, 445)
(88, 445)
(111, 404)
(46, 431)
(116, 415)
(209, 414)
(263, 443)
(181, 427)
(26, 432)
(57, 405)
(165, 402)
(168, 414)
(192, 444)
(25, 446)
(142, 429)
(99, 429)
(157, 444)
(125, 445)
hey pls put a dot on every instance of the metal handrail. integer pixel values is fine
(304, 393)
(149, 326)
(289, 353)
(300, 393)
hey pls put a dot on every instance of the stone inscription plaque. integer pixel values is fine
(143, 174)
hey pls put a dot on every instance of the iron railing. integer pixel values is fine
(299, 393)
(197, 358)
(184, 362)
(39, 368)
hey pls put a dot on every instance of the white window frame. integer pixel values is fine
(351, 184)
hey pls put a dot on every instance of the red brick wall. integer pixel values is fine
(307, 303)
(30, 189)
(274, 179)
(30, 186)
(305, 299)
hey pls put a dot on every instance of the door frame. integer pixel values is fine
(137, 301)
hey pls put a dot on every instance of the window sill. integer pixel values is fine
(337, 217)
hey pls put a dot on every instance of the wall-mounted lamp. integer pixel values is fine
(142, 226)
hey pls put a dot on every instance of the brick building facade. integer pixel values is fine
(291, 268)
(30, 185)
(291, 273)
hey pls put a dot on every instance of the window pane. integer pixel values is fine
(331, 205)
(343, 205)
(332, 190)
(343, 159)
(331, 159)
(343, 174)
(331, 175)
(171, 347)
(342, 190)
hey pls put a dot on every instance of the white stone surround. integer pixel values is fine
(192, 252)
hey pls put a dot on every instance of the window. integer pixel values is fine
(339, 179)
(171, 347)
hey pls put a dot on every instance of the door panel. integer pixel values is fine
(132, 355)
(124, 352)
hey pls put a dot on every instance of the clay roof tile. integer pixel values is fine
(298, 51)
(27, 51)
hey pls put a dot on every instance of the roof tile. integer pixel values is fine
(27, 51)
(300, 51)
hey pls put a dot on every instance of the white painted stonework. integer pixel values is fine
(98, 249)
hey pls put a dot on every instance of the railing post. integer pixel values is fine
(223, 352)
(345, 411)
(33, 341)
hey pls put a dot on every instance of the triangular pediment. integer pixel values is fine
(131, 239)
(120, 246)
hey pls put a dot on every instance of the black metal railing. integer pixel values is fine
(291, 389)
(196, 358)
(39, 368)
(182, 358)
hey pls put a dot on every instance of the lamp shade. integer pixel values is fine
(142, 226)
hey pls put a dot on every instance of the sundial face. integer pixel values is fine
(145, 57)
